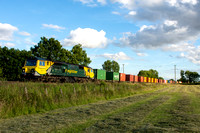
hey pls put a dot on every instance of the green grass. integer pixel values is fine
(21, 98)
(90, 122)
(146, 108)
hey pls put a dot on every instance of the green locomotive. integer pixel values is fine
(42, 69)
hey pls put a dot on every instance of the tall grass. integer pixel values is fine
(20, 98)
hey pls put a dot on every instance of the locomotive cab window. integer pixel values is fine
(91, 70)
(31, 63)
(42, 63)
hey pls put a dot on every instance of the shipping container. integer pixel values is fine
(152, 80)
(145, 79)
(100, 74)
(135, 78)
(148, 79)
(129, 78)
(140, 79)
(122, 77)
(112, 76)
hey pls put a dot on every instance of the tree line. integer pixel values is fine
(12, 60)
(189, 76)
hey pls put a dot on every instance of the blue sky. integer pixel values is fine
(143, 35)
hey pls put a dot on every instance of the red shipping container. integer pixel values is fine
(135, 78)
(129, 78)
(122, 77)
(140, 79)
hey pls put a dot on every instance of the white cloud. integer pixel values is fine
(145, 27)
(142, 54)
(117, 56)
(132, 13)
(51, 26)
(155, 36)
(86, 1)
(188, 51)
(192, 55)
(129, 4)
(103, 2)
(6, 31)
(29, 41)
(193, 2)
(7, 44)
(93, 3)
(89, 38)
(182, 47)
(115, 12)
(170, 22)
(23, 33)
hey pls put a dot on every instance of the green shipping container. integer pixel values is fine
(100, 74)
(112, 76)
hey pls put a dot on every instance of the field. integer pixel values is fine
(145, 108)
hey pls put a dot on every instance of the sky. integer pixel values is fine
(141, 34)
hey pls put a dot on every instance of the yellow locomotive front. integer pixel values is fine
(36, 67)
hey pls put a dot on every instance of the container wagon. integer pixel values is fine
(100, 74)
(140, 78)
(135, 79)
(129, 78)
(145, 79)
(114, 76)
(122, 77)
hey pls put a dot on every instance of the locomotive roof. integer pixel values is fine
(55, 62)
(59, 62)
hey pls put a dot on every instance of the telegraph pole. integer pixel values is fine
(123, 68)
(175, 72)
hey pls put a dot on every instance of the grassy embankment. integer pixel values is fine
(168, 108)
(20, 98)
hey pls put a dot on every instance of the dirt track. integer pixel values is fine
(171, 109)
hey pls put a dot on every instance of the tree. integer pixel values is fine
(189, 76)
(107, 65)
(192, 76)
(11, 63)
(79, 56)
(50, 49)
(183, 78)
(115, 66)
(111, 66)
(150, 73)
(143, 73)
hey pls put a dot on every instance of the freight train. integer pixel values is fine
(52, 71)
